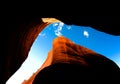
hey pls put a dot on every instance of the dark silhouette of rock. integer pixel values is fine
(71, 63)
(102, 23)
(20, 31)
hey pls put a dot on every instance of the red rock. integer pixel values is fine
(69, 61)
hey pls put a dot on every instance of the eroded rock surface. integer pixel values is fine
(69, 62)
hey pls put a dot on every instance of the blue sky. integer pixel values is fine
(100, 42)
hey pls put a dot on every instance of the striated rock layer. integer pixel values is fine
(69, 62)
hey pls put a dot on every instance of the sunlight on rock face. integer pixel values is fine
(50, 20)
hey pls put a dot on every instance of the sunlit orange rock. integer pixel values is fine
(68, 61)
(65, 51)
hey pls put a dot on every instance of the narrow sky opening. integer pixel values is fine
(88, 37)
